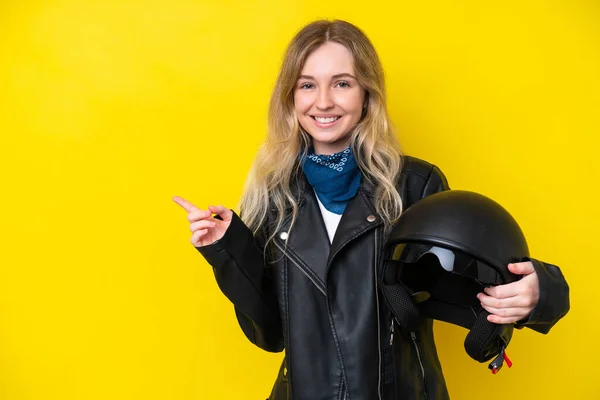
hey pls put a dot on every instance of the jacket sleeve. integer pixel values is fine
(553, 303)
(239, 268)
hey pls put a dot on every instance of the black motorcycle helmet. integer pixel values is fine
(441, 253)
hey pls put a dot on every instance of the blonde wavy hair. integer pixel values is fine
(373, 140)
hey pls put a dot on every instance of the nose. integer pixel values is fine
(325, 100)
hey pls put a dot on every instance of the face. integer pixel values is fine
(328, 99)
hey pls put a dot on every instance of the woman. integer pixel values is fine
(301, 265)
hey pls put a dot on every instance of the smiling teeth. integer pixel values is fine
(326, 120)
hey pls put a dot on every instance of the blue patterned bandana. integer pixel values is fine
(335, 178)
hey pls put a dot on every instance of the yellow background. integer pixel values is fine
(109, 108)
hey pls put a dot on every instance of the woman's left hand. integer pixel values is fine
(514, 301)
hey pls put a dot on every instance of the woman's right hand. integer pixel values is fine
(205, 228)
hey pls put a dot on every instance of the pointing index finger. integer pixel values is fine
(186, 205)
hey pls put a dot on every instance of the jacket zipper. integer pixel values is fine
(413, 336)
(378, 321)
(301, 268)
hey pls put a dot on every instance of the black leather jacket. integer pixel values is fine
(320, 301)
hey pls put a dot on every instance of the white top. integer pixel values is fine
(332, 220)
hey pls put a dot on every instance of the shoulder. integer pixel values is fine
(418, 179)
(417, 167)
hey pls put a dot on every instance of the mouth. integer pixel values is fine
(325, 121)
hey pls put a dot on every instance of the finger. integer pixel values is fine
(221, 211)
(503, 320)
(186, 205)
(199, 215)
(197, 236)
(522, 268)
(507, 302)
(204, 224)
(518, 312)
(503, 291)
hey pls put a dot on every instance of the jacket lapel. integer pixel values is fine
(307, 243)
(358, 218)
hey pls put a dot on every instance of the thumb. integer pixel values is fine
(221, 211)
(522, 268)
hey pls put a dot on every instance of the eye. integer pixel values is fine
(307, 86)
(343, 84)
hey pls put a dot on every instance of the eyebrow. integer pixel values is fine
(337, 76)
